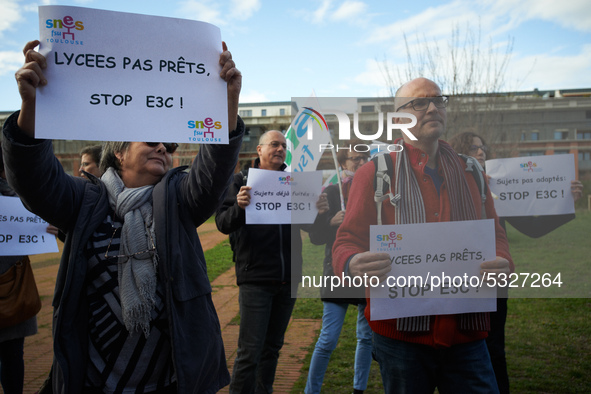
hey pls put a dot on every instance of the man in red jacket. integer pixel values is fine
(417, 354)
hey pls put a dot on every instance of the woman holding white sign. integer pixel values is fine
(472, 144)
(337, 300)
(132, 306)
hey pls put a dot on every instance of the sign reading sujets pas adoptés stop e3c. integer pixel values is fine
(116, 76)
(535, 185)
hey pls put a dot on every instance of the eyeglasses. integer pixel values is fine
(421, 104)
(276, 144)
(144, 255)
(358, 159)
(170, 147)
(474, 148)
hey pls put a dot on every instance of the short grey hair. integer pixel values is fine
(263, 136)
(109, 157)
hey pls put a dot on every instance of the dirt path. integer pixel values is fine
(39, 348)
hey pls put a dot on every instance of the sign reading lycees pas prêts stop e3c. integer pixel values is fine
(130, 77)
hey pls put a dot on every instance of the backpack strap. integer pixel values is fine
(383, 183)
(473, 166)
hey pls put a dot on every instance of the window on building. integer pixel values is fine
(282, 111)
(584, 156)
(588, 114)
(561, 152)
(584, 135)
(561, 135)
(533, 153)
(263, 112)
(245, 113)
(535, 136)
(387, 108)
(367, 108)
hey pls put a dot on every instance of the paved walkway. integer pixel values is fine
(299, 335)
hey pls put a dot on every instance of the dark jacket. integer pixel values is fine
(322, 233)
(182, 201)
(264, 253)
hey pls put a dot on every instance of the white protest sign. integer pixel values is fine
(130, 77)
(21, 232)
(536, 185)
(433, 274)
(281, 197)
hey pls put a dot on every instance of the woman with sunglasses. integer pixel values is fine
(132, 305)
(472, 144)
(337, 300)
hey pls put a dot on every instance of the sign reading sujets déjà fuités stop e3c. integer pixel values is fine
(116, 76)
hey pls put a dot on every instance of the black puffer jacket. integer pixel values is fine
(264, 253)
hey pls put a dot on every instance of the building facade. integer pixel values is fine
(515, 124)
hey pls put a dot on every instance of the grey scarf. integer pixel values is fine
(411, 209)
(138, 259)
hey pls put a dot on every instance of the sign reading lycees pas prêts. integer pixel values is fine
(536, 185)
(21, 232)
(130, 77)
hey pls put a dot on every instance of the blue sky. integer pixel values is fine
(339, 48)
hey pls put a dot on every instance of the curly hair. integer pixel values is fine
(342, 154)
(462, 142)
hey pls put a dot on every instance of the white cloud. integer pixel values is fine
(433, 22)
(10, 61)
(253, 96)
(319, 16)
(571, 14)
(11, 14)
(545, 71)
(202, 10)
(349, 10)
(244, 9)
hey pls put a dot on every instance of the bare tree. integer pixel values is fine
(471, 73)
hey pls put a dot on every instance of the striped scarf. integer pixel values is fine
(411, 209)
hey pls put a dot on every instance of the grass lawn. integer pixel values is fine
(548, 340)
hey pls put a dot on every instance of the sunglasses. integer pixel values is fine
(169, 146)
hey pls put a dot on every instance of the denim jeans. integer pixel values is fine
(496, 344)
(265, 310)
(412, 368)
(332, 323)
(12, 366)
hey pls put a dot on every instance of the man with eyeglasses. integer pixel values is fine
(264, 254)
(418, 354)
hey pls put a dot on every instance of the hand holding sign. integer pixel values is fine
(233, 78)
(243, 197)
(29, 78)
